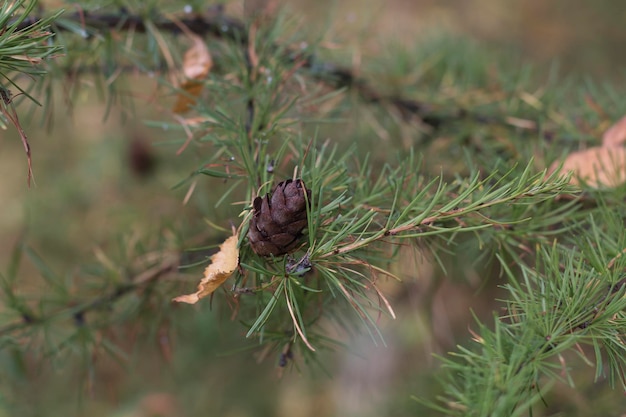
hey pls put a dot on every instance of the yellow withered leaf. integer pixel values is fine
(597, 166)
(197, 63)
(222, 266)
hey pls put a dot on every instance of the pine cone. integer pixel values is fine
(279, 219)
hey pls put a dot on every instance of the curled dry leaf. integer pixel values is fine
(222, 266)
(616, 134)
(597, 166)
(197, 63)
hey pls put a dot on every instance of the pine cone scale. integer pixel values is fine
(279, 219)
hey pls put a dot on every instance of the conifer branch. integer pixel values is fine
(221, 26)
(77, 309)
(564, 271)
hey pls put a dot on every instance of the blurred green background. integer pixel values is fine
(89, 197)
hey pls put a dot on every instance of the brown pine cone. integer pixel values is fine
(279, 219)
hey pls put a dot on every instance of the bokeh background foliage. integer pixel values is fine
(100, 237)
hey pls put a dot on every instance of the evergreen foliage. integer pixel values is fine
(273, 108)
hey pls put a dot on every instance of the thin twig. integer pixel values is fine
(218, 25)
(9, 112)
(145, 278)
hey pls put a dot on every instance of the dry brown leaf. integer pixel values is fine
(597, 166)
(616, 134)
(223, 264)
(184, 102)
(197, 63)
(160, 404)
